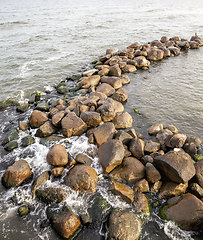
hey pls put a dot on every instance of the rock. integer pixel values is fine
(166, 51)
(120, 95)
(73, 125)
(174, 50)
(184, 45)
(124, 137)
(122, 190)
(194, 44)
(195, 140)
(16, 174)
(196, 190)
(23, 211)
(86, 82)
(104, 133)
(84, 159)
(57, 171)
(23, 125)
(156, 186)
(106, 89)
(141, 203)
(90, 102)
(154, 129)
(51, 195)
(13, 134)
(92, 119)
(37, 118)
(176, 141)
(82, 178)
(155, 54)
(130, 171)
(162, 135)
(7, 103)
(111, 154)
(125, 79)
(22, 107)
(187, 213)
(53, 111)
(46, 130)
(137, 147)
(123, 120)
(152, 173)
(141, 186)
(40, 180)
(90, 72)
(124, 225)
(170, 189)
(103, 72)
(141, 62)
(199, 172)
(56, 119)
(66, 224)
(147, 159)
(176, 165)
(129, 68)
(115, 82)
(190, 148)
(164, 39)
(151, 147)
(28, 140)
(11, 145)
(61, 88)
(115, 71)
(57, 155)
(42, 106)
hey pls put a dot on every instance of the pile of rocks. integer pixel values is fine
(164, 164)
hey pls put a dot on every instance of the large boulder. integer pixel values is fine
(137, 147)
(51, 195)
(155, 54)
(123, 120)
(111, 155)
(115, 71)
(57, 155)
(130, 171)
(120, 95)
(124, 225)
(170, 189)
(176, 165)
(92, 119)
(199, 172)
(82, 178)
(16, 174)
(187, 212)
(86, 82)
(115, 82)
(104, 133)
(73, 125)
(106, 89)
(37, 118)
(45, 130)
(176, 141)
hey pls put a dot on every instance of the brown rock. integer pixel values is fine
(137, 147)
(57, 155)
(194, 44)
(92, 119)
(103, 72)
(197, 141)
(172, 128)
(105, 88)
(199, 172)
(86, 82)
(115, 71)
(129, 68)
(82, 178)
(111, 155)
(123, 120)
(155, 54)
(46, 130)
(122, 190)
(174, 50)
(39, 180)
(190, 148)
(16, 174)
(104, 133)
(84, 159)
(152, 173)
(124, 137)
(51, 195)
(130, 171)
(90, 72)
(154, 129)
(120, 95)
(115, 82)
(164, 39)
(141, 62)
(141, 186)
(56, 119)
(176, 141)
(57, 171)
(156, 186)
(73, 125)
(196, 190)
(151, 147)
(125, 79)
(147, 159)
(37, 118)
(23, 125)
(170, 189)
(141, 203)
(162, 136)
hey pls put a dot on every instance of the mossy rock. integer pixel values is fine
(23, 211)
(61, 88)
(94, 62)
(98, 63)
(162, 212)
(42, 106)
(13, 134)
(75, 77)
(155, 204)
(22, 107)
(28, 140)
(7, 103)
(11, 145)
(197, 157)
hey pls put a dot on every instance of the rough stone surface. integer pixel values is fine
(57, 155)
(106, 89)
(152, 173)
(40, 180)
(45, 130)
(120, 95)
(141, 186)
(176, 141)
(115, 82)
(151, 147)
(56, 119)
(141, 203)
(137, 147)
(199, 172)
(86, 82)
(84, 159)
(37, 118)
(51, 195)
(92, 119)
(123, 120)
(154, 129)
(115, 71)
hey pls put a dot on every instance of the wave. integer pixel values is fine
(13, 23)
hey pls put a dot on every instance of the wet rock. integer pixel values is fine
(147, 159)
(124, 137)
(123, 225)
(40, 180)
(16, 174)
(61, 88)
(141, 203)
(106, 89)
(42, 106)
(151, 147)
(82, 178)
(190, 148)
(23, 211)
(156, 186)
(57, 171)
(103, 72)
(155, 54)
(120, 95)
(46, 129)
(125, 79)
(51, 195)
(176, 165)
(11, 145)
(53, 111)
(123, 120)
(199, 172)
(28, 140)
(170, 189)
(7, 103)
(174, 50)
(111, 155)
(115, 71)
(187, 212)
(196, 190)
(66, 224)
(154, 129)
(57, 155)
(115, 82)
(104, 133)
(129, 68)
(86, 82)
(23, 125)
(92, 119)
(23, 107)
(84, 159)
(162, 136)
(37, 118)
(141, 62)
(73, 125)
(141, 186)
(152, 173)
(137, 147)
(130, 171)
(176, 141)
(13, 134)
(122, 190)
(194, 44)
(90, 72)
(56, 119)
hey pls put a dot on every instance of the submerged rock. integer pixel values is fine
(13, 134)
(40, 180)
(28, 140)
(51, 195)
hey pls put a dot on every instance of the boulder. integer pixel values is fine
(196, 190)
(151, 147)
(156, 186)
(176, 141)
(89, 72)
(92, 119)
(83, 159)
(152, 173)
(57, 155)
(73, 125)
(28, 140)
(197, 141)
(115, 82)
(40, 180)
(123, 120)
(194, 44)
(130, 171)
(129, 68)
(162, 135)
(23, 125)
(51, 195)
(46, 129)
(174, 50)
(190, 148)
(141, 203)
(199, 172)
(164, 39)
(103, 72)
(104, 133)
(123, 225)
(16, 174)
(147, 159)
(115, 71)
(13, 134)
(123, 136)
(154, 129)
(141, 186)
(142, 62)
(155, 54)
(37, 118)
(120, 95)
(82, 178)
(137, 147)
(11, 145)
(176, 166)
(106, 89)
(187, 212)
(86, 82)
(125, 79)
(66, 224)
(111, 155)
(57, 171)
(122, 190)
(56, 119)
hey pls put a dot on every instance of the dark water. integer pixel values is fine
(41, 42)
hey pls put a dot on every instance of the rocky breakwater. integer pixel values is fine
(166, 163)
